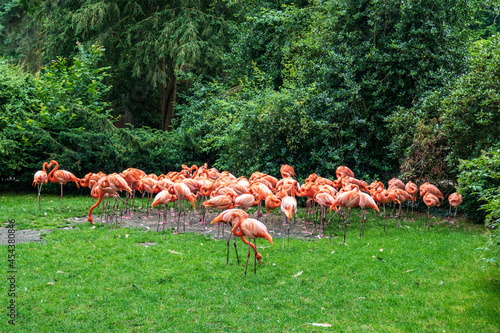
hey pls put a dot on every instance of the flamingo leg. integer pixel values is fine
(38, 198)
(228, 241)
(331, 225)
(283, 233)
(384, 219)
(449, 214)
(399, 214)
(236, 250)
(255, 257)
(184, 224)
(166, 215)
(248, 257)
(345, 228)
(288, 244)
(159, 216)
(60, 200)
(428, 221)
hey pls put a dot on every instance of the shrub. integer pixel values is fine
(479, 181)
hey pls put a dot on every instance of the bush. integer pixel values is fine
(479, 181)
(455, 122)
(62, 115)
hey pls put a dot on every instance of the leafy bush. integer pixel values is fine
(458, 121)
(63, 115)
(479, 181)
(17, 98)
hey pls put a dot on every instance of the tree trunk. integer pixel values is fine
(168, 91)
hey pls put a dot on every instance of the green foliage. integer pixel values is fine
(455, 122)
(63, 115)
(487, 22)
(82, 83)
(479, 181)
(17, 96)
(369, 58)
(263, 38)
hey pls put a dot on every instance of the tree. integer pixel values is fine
(367, 58)
(459, 120)
(151, 39)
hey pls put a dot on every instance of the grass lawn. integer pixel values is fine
(130, 280)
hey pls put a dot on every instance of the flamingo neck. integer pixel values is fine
(51, 174)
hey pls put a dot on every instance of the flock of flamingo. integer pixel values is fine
(234, 196)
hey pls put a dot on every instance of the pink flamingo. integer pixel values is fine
(455, 199)
(62, 177)
(252, 229)
(39, 179)
(229, 216)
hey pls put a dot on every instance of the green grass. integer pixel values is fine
(420, 282)
(24, 210)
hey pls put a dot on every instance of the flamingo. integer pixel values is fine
(163, 197)
(289, 208)
(182, 192)
(109, 184)
(245, 201)
(412, 189)
(272, 202)
(429, 188)
(228, 216)
(252, 229)
(324, 200)
(263, 191)
(39, 179)
(309, 189)
(430, 200)
(348, 199)
(132, 177)
(343, 171)
(220, 202)
(62, 177)
(401, 196)
(287, 171)
(94, 193)
(147, 184)
(397, 183)
(383, 196)
(365, 201)
(455, 199)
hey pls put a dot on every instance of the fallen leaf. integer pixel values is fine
(381, 250)
(410, 270)
(332, 252)
(50, 282)
(298, 274)
(60, 272)
(93, 227)
(126, 235)
(322, 325)
(171, 251)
